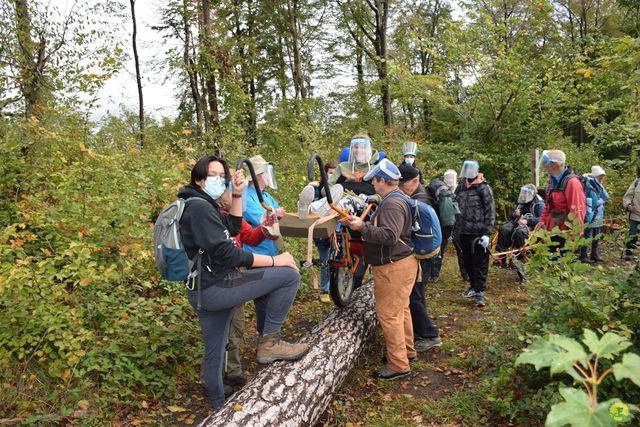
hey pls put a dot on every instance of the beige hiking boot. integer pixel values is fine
(272, 348)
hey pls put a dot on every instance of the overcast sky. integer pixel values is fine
(159, 93)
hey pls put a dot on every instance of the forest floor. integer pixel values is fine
(447, 386)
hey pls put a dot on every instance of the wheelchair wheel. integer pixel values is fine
(341, 285)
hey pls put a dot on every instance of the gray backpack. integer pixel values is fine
(171, 258)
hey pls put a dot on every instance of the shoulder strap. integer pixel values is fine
(565, 180)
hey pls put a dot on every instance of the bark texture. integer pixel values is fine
(298, 393)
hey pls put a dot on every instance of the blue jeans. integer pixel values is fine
(323, 245)
(274, 290)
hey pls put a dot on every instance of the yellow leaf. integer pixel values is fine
(176, 409)
(83, 149)
(144, 404)
(83, 404)
(237, 407)
(587, 74)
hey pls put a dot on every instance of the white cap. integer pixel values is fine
(385, 169)
(597, 171)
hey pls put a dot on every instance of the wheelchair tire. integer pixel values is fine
(341, 285)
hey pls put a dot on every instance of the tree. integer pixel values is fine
(138, 76)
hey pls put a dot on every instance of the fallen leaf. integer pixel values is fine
(83, 404)
(237, 407)
(144, 404)
(176, 409)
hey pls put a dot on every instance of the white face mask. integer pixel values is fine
(215, 186)
(409, 160)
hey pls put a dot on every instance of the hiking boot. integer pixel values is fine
(389, 374)
(479, 299)
(307, 195)
(411, 359)
(425, 344)
(469, 293)
(235, 381)
(628, 257)
(324, 297)
(585, 260)
(595, 255)
(272, 348)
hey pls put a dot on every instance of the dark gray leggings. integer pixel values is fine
(276, 285)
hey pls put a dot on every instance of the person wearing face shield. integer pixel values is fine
(565, 197)
(409, 153)
(596, 182)
(228, 275)
(361, 160)
(524, 217)
(474, 226)
(253, 212)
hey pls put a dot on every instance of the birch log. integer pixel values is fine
(297, 393)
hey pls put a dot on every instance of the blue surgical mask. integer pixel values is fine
(409, 160)
(215, 186)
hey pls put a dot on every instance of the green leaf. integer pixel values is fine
(539, 354)
(606, 347)
(564, 361)
(575, 411)
(629, 368)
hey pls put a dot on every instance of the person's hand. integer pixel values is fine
(539, 226)
(522, 222)
(280, 212)
(484, 242)
(354, 223)
(315, 183)
(516, 212)
(238, 182)
(285, 259)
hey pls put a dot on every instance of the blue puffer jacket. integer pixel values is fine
(604, 198)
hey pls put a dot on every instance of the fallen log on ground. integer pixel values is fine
(298, 393)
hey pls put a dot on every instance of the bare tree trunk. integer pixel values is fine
(32, 59)
(381, 12)
(298, 77)
(210, 78)
(138, 76)
(189, 66)
(298, 393)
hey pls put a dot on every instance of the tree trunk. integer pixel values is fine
(189, 66)
(138, 76)
(298, 393)
(381, 12)
(32, 59)
(209, 75)
(298, 76)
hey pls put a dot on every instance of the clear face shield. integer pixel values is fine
(410, 147)
(469, 169)
(542, 162)
(526, 195)
(451, 179)
(360, 151)
(270, 176)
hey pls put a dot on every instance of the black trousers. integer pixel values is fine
(423, 327)
(476, 261)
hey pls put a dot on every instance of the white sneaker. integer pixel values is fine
(321, 207)
(307, 195)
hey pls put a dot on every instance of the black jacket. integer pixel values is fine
(202, 226)
(477, 208)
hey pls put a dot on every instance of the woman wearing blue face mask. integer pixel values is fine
(409, 153)
(223, 281)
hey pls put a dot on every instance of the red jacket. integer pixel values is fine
(248, 235)
(558, 205)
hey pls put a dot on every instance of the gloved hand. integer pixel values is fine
(484, 242)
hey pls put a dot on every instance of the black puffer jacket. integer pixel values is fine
(477, 208)
(202, 226)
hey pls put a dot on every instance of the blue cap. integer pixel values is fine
(344, 154)
(385, 169)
